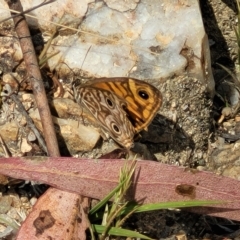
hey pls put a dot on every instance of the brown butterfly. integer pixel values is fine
(122, 106)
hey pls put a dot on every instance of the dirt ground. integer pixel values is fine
(220, 18)
(202, 149)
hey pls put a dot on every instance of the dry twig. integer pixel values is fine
(30, 122)
(33, 70)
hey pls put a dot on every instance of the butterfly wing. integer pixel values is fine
(143, 100)
(107, 109)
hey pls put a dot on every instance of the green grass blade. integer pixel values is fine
(119, 232)
(182, 204)
(106, 199)
(166, 205)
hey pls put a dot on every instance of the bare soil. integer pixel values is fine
(187, 149)
(220, 19)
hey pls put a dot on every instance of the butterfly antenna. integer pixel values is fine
(74, 83)
(86, 56)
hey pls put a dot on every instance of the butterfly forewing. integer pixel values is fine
(143, 100)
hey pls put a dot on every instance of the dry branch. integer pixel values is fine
(33, 70)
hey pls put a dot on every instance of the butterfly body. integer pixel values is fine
(123, 104)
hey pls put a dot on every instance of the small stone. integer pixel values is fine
(5, 204)
(9, 131)
(22, 121)
(236, 145)
(232, 171)
(226, 111)
(181, 236)
(33, 200)
(27, 97)
(31, 136)
(12, 79)
(16, 200)
(237, 118)
(2, 228)
(227, 125)
(25, 146)
(3, 179)
(173, 104)
(184, 107)
(24, 199)
(201, 168)
(220, 120)
(232, 132)
(220, 142)
(199, 155)
(76, 136)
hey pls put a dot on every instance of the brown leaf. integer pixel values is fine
(153, 182)
(56, 215)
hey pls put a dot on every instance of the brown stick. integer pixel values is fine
(37, 86)
(31, 62)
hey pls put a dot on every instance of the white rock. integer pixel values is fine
(75, 10)
(122, 5)
(121, 41)
(25, 146)
(76, 136)
(9, 131)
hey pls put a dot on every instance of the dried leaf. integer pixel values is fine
(56, 215)
(153, 182)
